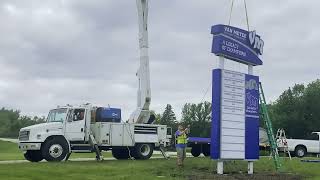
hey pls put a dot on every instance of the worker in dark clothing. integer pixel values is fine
(181, 144)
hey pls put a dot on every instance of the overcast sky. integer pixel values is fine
(57, 52)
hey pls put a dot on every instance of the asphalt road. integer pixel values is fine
(76, 160)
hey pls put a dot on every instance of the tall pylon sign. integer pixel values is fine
(235, 97)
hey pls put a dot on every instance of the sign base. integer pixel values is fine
(220, 164)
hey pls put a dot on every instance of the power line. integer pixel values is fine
(205, 92)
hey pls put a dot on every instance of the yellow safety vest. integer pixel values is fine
(182, 139)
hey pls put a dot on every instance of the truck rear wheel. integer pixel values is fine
(143, 151)
(55, 150)
(33, 156)
(206, 150)
(120, 153)
(196, 150)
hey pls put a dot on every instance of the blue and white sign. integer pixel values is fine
(235, 116)
(237, 44)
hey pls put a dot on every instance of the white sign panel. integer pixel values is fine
(232, 115)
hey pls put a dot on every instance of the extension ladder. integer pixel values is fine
(265, 117)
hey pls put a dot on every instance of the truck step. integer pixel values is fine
(80, 145)
(82, 151)
(81, 148)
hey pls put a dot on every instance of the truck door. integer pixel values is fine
(312, 143)
(319, 142)
(75, 125)
(318, 138)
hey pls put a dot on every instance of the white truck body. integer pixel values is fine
(81, 134)
(125, 134)
(106, 134)
(300, 147)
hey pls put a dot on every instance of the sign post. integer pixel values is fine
(250, 163)
(220, 163)
(235, 97)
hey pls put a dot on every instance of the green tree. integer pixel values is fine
(297, 110)
(168, 117)
(198, 116)
(11, 122)
(158, 118)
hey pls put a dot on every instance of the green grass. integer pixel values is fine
(195, 168)
(9, 151)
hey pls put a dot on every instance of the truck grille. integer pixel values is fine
(24, 135)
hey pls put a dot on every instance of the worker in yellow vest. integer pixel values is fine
(181, 144)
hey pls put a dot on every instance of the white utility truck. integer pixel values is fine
(86, 128)
(301, 147)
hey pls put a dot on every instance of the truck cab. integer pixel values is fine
(302, 147)
(63, 125)
(89, 129)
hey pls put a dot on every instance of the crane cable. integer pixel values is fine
(247, 17)
(246, 11)
(231, 9)
(229, 22)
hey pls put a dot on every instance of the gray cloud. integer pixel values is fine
(57, 52)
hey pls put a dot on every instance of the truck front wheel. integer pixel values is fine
(33, 156)
(143, 151)
(300, 151)
(55, 150)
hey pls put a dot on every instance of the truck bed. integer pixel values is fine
(199, 140)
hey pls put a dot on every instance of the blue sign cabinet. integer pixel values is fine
(235, 116)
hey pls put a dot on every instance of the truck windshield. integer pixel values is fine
(57, 115)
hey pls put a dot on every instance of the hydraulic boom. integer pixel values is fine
(142, 113)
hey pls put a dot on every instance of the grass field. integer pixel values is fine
(195, 168)
(10, 151)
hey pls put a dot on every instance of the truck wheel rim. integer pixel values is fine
(145, 150)
(56, 150)
(300, 152)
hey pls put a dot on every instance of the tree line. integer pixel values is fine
(297, 110)
(11, 121)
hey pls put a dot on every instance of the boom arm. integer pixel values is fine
(142, 113)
